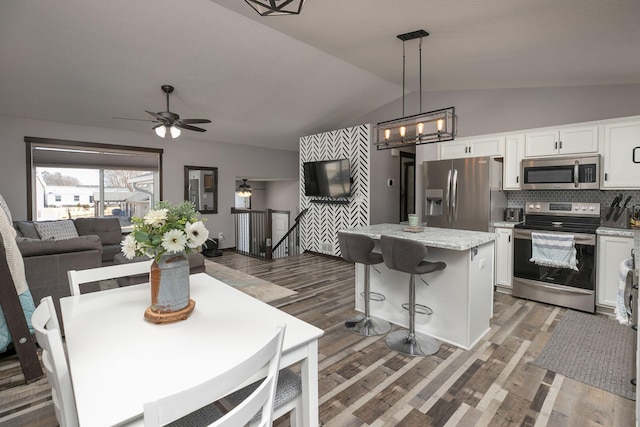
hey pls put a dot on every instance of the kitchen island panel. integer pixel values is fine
(461, 296)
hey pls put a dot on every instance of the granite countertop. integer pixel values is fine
(611, 231)
(506, 224)
(459, 240)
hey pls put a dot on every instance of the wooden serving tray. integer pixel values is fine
(416, 229)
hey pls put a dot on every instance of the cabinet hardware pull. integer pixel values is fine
(606, 176)
(556, 145)
(561, 145)
(633, 155)
(509, 238)
(517, 179)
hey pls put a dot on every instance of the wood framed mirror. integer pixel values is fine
(201, 187)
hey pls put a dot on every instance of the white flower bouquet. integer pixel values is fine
(167, 229)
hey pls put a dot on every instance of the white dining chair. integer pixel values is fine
(287, 401)
(196, 405)
(90, 275)
(47, 330)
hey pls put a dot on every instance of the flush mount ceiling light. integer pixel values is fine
(244, 189)
(276, 7)
(423, 128)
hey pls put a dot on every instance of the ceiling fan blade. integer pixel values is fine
(188, 127)
(128, 118)
(195, 121)
(156, 115)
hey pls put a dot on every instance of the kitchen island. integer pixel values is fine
(461, 296)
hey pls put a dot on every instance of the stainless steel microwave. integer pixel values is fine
(561, 173)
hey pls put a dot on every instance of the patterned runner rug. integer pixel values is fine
(593, 349)
(257, 288)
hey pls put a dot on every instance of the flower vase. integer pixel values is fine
(169, 279)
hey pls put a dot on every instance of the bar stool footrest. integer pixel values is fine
(420, 309)
(374, 296)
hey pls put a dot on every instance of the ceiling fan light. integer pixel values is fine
(175, 132)
(244, 189)
(161, 131)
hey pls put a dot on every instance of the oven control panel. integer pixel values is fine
(563, 208)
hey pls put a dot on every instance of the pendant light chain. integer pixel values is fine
(420, 68)
(403, 75)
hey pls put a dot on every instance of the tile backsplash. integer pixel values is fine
(517, 199)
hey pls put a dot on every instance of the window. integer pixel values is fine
(70, 179)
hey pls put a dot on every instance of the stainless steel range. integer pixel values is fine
(555, 285)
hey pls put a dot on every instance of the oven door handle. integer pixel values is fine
(562, 290)
(576, 174)
(586, 239)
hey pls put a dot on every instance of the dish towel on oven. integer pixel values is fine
(553, 250)
(623, 303)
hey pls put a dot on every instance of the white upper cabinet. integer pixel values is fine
(454, 149)
(472, 147)
(569, 140)
(621, 168)
(513, 152)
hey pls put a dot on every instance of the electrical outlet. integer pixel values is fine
(220, 237)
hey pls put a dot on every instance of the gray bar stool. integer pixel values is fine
(357, 248)
(407, 256)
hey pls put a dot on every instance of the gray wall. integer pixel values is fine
(231, 161)
(283, 195)
(491, 111)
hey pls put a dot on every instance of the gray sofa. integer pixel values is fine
(46, 261)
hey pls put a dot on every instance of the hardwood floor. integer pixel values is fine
(363, 383)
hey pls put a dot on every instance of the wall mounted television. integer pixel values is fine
(327, 178)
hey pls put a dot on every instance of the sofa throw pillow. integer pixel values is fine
(28, 229)
(56, 230)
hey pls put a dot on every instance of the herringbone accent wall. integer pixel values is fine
(320, 225)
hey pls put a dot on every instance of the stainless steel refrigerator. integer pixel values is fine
(465, 194)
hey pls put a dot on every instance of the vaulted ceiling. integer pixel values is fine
(266, 81)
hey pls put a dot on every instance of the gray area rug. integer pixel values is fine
(251, 285)
(593, 349)
(257, 288)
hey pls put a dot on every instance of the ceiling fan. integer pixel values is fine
(170, 121)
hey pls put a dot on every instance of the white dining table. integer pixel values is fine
(118, 360)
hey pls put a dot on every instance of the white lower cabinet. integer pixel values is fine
(504, 257)
(612, 250)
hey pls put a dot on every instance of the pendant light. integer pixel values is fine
(423, 128)
(276, 7)
(244, 189)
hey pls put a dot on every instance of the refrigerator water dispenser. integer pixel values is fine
(433, 203)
